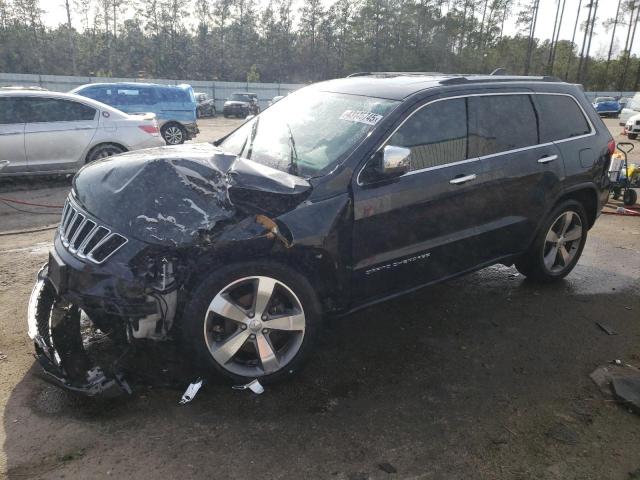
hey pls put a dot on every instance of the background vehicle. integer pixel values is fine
(241, 104)
(206, 106)
(276, 99)
(342, 195)
(175, 107)
(632, 126)
(607, 106)
(631, 108)
(49, 132)
(622, 101)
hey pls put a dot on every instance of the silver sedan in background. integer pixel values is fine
(45, 132)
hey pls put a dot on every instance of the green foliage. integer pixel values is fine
(283, 41)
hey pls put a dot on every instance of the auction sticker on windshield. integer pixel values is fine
(367, 118)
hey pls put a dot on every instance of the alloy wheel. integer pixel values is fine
(254, 326)
(562, 242)
(173, 135)
(104, 152)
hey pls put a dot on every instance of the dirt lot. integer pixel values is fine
(485, 377)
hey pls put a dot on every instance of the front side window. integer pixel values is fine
(309, 132)
(499, 123)
(435, 134)
(57, 110)
(10, 111)
(560, 118)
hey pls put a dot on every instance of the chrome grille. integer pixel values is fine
(84, 238)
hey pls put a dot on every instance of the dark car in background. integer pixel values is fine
(241, 104)
(206, 107)
(174, 106)
(341, 195)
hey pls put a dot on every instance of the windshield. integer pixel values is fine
(605, 99)
(308, 132)
(239, 97)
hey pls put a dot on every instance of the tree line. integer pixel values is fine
(283, 41)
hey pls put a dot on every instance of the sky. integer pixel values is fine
(55, 14)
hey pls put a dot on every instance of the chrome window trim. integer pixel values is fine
(484, 157)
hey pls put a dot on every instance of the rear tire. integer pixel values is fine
(630, 197)
(103, 151)
(173, 134)
(558, 244)
(632, 136)
(230, 330)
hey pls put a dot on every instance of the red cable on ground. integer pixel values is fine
(20, 202)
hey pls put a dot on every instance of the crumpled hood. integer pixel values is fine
(167, 195)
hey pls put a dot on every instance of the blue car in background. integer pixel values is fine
(174, 106)
(607, 106)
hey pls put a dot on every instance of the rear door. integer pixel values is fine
(440, 219)
(12, 135)
(58, 133)
(522, 174)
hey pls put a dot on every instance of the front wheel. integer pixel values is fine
(173, 134)
(253, 320)
(558, 245)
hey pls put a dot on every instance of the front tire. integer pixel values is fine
(252, 320)
(173, 134)
(558, 245)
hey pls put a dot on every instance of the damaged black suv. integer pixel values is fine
(341, 195)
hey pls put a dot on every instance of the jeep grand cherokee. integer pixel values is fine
(341, 195)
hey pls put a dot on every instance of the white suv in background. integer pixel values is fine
(45, 132)
(631, 108)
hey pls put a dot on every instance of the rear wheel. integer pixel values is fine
(104, 151)
(630, 197)
(254, 320)
(558, 245)
(173, 134)
(632, 136)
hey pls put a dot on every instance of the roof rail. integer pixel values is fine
(393, 74)
(498, 78)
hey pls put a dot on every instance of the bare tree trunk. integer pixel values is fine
(555, 42)
(573, 39)
(532, 32)
(613, 36)
(627, 59)
(72, 44)
(553, 35)
(584, 42)
(593, 21)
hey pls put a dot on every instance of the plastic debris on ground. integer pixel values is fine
(191, 391)
(253, 385)
(606, 328)
(620, 380)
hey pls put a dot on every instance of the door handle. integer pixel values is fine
(548, 159)
(461, 180)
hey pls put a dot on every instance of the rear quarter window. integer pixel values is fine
(560, 118)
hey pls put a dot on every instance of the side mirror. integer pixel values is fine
(395, 162)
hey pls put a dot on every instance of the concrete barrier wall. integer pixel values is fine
(220, 91)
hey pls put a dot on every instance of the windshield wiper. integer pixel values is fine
(293, 165)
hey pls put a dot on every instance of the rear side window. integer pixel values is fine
(57, 110)
(498, 123)
(560, 118)
(174, 95)
(126, 95)
(436, 134)
(9, 111)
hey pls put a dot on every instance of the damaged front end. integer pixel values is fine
(135, 231)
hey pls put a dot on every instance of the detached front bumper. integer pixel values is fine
(54, 327)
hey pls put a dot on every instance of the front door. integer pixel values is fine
(434, 221)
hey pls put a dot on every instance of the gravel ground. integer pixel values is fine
(484, 377)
